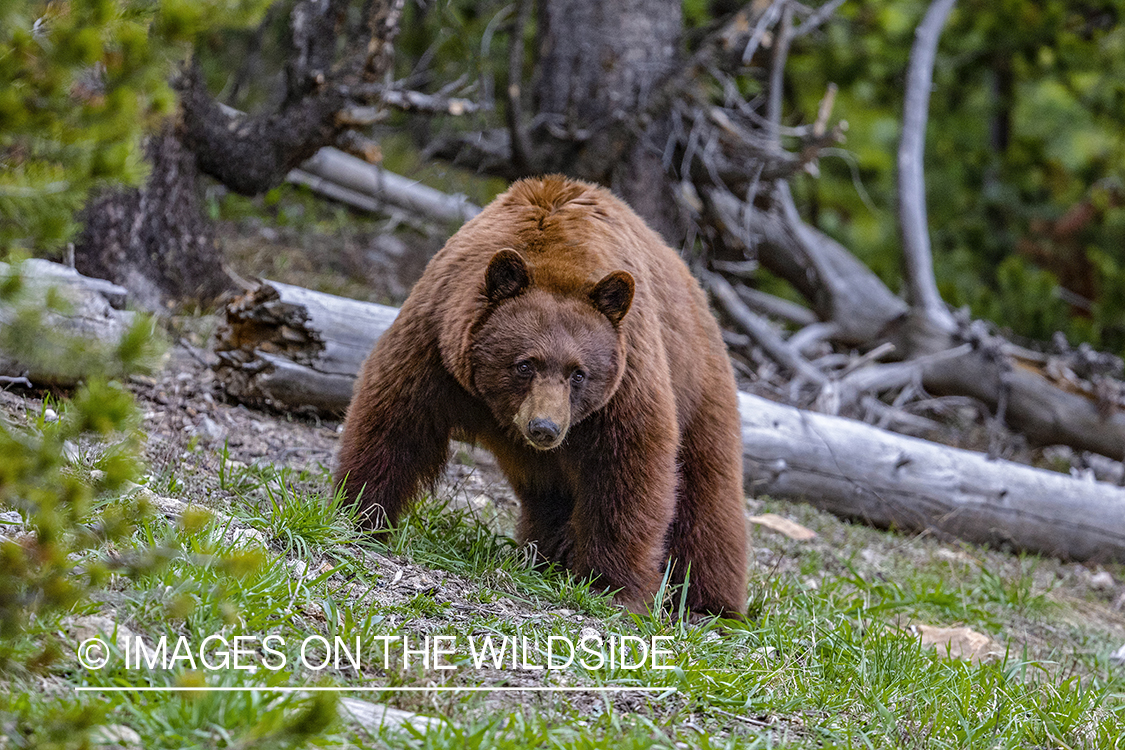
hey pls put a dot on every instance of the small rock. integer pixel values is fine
(50, 415)
(97, 626)
(299, 568)
(1118, 657)
(210, 429)
(1119, 603)
(243, 536)
(115, 735)
(10, 522)
(70, 451)
(953, 555)
(783, 525)
(1102, 581)
(958, 643)
(374, 716)
(97, 475)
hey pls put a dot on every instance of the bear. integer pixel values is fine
(560, 332)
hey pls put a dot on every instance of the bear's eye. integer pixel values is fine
(577, 377)
(525, 368)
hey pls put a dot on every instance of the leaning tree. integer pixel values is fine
(155, 240)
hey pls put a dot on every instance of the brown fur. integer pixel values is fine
(633, 460)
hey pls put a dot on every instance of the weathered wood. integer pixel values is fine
(357, 176)
(1041, 410)
(89, 310)
(292, 348)
(858, 471)
(287, 347)
(44, 274)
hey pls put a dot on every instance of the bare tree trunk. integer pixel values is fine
(602, 63)
(155, 241)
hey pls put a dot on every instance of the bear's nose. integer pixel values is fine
(542, 430)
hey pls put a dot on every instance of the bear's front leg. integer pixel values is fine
(397, 432)
(622, 469)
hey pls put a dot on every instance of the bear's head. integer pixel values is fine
(543, 360)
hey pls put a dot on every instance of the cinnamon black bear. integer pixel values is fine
(560, 332)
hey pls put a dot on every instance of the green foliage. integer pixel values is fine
(81, 81)
(1024, 124)
(301, 518)
(70, 508)
(60, 507)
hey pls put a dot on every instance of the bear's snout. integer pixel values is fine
(542, 431)
(544, 416)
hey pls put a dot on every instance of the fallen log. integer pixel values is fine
(291, 348)
(343, 177)
(857, 471)
(72, 306)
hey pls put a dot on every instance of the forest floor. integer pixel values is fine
(832, 654)
(856, 637)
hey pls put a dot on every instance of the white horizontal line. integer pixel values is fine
(346, 689)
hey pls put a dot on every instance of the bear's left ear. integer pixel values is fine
(506, 277)
(613, 295)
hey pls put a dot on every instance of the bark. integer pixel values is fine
(291, 348)
(601, 64)
(858, 471)
(154, 241)
(251, 154)
(1044, 412)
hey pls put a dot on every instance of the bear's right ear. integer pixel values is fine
(506, 277)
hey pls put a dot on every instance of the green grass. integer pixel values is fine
(823, 663)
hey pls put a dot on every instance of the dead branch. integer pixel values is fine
(251, 154)
(921, 286)
(813, 334)
(405, 100)
(1045, 413)
(839, 288)
(768, 304)
(761, 331)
